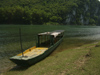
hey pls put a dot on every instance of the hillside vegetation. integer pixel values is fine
(74, 12)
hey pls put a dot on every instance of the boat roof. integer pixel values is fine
(54, 33)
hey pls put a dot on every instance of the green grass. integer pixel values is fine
(92, 67)
(82, 60)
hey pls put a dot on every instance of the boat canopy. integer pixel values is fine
(54, 33)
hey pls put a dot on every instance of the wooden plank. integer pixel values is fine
(28, 50)
(36, 51)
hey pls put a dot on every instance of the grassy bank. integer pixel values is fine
(82, 60)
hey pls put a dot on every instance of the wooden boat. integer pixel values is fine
(46, 43)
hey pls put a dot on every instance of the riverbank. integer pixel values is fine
(83, 60)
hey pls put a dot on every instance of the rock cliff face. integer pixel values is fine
(86, 13)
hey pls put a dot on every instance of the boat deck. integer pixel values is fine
(35, 52)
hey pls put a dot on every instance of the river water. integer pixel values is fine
(85, 32)
(9, 38)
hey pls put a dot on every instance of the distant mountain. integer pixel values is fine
(67, 12)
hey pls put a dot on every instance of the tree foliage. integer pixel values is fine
(44, 11)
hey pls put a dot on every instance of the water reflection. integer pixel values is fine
(84, 33)
(91, 37)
